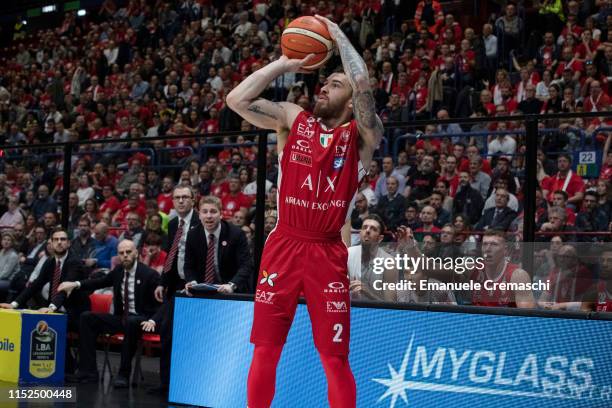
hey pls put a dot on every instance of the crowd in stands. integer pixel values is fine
(142, 69)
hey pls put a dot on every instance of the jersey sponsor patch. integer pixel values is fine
(325, 139)
(300, 158)
(305, 131)
(338, 162)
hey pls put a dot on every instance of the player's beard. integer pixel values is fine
(325, 109)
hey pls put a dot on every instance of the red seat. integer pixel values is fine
(101, 303)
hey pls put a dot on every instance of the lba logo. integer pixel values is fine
(550, 379)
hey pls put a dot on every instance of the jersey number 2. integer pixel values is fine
(338, 330)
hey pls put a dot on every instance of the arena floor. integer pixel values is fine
(105, 396)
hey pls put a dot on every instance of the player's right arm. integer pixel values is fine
(279, 116)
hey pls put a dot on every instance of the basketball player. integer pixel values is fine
(322, 157)
(599, 298)
(497, 269)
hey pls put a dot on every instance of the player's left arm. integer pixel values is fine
(523, 298)
(364, 107)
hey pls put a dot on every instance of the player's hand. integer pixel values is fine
(45, 310)
(159, 294)
(148, 326)
(225, 289)
(331, 26)
(296, 65)
(6, 306)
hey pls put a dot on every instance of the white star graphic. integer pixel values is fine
(396, 385)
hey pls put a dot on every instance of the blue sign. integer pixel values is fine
(400, 358)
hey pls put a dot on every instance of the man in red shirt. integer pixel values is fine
(565, 180)
(449, 173)
(235, 200)
(322, 156)
(164, 199)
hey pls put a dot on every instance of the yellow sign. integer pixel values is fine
(10, 345)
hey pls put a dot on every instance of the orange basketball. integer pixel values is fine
(307, 35)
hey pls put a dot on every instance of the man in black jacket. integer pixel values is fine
(133, 285)
(223, 259)
(467, 201)
(57, 269)
(217, 251)
(499, 217)
(173, 275)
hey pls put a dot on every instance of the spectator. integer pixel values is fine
(479, 180)
(427, 217)
(499, 217)
(134, 231)
(13, 214)
(388, 171)
(105, 246)
(234, 200)
(420, 186)
(359, 213)
(133, 285)
(9, 263)
(361, 260)
(565, 180)
(591, 218)
(82, 246)
(509, 26)
(530, 104)
(443, 216)
(391, 206)
(502, 183)
(44, 203)
(556, 225)
(152, 255)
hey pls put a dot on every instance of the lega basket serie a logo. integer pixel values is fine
(43, 350)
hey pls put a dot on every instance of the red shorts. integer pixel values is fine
(315, 265)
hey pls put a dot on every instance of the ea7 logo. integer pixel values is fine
(305, 130)
(264, 297)
(336, 307)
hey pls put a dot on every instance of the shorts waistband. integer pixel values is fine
(307, 236)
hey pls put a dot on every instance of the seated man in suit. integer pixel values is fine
(60, 267)
(133, 285)
(499, 217)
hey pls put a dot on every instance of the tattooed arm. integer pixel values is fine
(244, 99)
(364, 107)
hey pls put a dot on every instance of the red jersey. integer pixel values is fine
(571, 184)
(496, 297)
(319, 175)
(165, 203)
(604, 298)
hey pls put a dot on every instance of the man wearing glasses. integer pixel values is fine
(173, 275)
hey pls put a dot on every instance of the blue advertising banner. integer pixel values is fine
(400, 358)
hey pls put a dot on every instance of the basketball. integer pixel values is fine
(307, 35)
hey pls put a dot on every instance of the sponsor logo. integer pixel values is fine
(331, 186)
(494, 373)
(335, 287)
(263, 296)
(338, 163)
(43, 347)
(7, 345)
(341, 150)
(268, 278)
(325, 139)
(302, 145)
(345, 135)
(336, 307)
(300, 158)
(305, 131)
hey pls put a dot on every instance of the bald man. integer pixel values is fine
(105, 247)
(134, 301)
